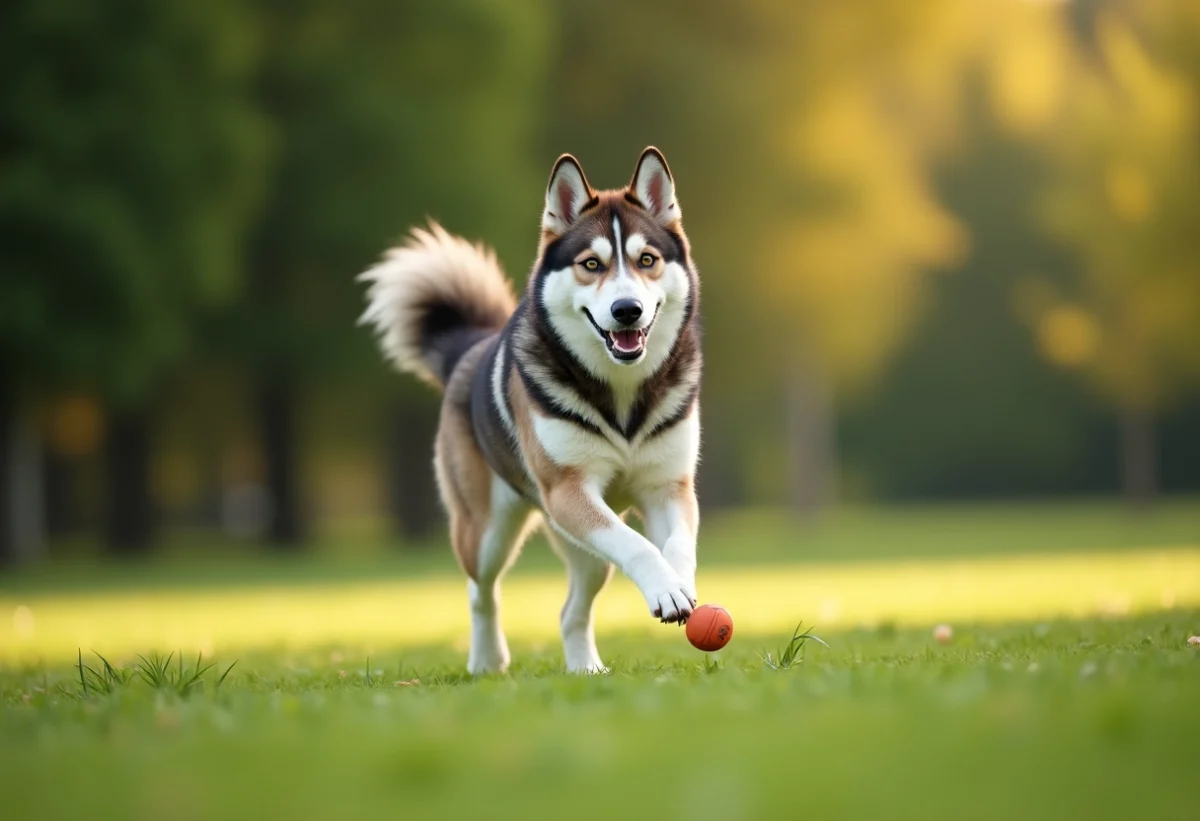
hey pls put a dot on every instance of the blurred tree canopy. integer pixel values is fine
(916, 221)
(132, 157)
(132, 164)
(377, 108)
(1123, 197)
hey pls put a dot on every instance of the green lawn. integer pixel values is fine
(1068, 690)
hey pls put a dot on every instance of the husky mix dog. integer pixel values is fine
(575, 404)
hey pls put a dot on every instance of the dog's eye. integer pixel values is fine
(647, 261)
(592, 264)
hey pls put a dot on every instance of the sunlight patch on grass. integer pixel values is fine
(411, 612)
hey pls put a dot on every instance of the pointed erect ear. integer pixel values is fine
(654, 188)
(566, 195)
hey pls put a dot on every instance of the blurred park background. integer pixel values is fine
(950, 250)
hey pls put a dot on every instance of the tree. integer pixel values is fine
(384, 114)
(1124, 197)
(132, 167)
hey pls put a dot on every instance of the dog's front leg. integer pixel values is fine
(576, 509)
(672, 518)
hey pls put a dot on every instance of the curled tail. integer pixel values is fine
(433, 297)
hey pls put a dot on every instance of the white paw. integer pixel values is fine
(673, 604)
(666, 593)
(487, 658)
(485, 667)
(592, 668)
(579, 648)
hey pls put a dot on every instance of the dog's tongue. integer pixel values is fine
(627, 341)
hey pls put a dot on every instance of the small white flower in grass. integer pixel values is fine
(943, 633)
(341, 673)
(1194, 641)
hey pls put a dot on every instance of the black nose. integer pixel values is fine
(627, 311)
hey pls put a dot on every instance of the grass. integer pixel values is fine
(1067, 691)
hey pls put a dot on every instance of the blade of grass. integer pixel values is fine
(221, 680)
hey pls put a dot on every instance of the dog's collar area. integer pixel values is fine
(616, 341)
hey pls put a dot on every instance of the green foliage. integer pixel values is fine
(133, 164)
(383, 116)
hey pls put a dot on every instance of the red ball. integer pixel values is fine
(710, 627)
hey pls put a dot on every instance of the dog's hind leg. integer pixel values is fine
(586, 575)
(499, 541)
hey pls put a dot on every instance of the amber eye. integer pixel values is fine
(647, 261)
(592, 264)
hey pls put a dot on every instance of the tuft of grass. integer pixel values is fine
(99, 682)
(157, 672)
(792, 653)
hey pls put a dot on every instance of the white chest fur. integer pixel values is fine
(615, 466)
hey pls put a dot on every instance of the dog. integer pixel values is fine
(573, 406)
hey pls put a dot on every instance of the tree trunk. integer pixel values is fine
(1139, 457)
(130, 524)
(717, 479)
(8, 416)
(59, 483)
(22, 521)
(277, 420)
(810, 436)
(209, 512)
(412, 490)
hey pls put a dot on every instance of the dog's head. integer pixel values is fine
(614, 280)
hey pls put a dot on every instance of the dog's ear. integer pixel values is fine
(654, 188)
(566, 195)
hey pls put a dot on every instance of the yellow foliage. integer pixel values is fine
(857, 264)
(1069, 336)
(1124, 196)
(1129, 192)
(1028, 59)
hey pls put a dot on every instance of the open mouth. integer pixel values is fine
(625, 344)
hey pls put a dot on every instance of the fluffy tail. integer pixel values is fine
(433, 297)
